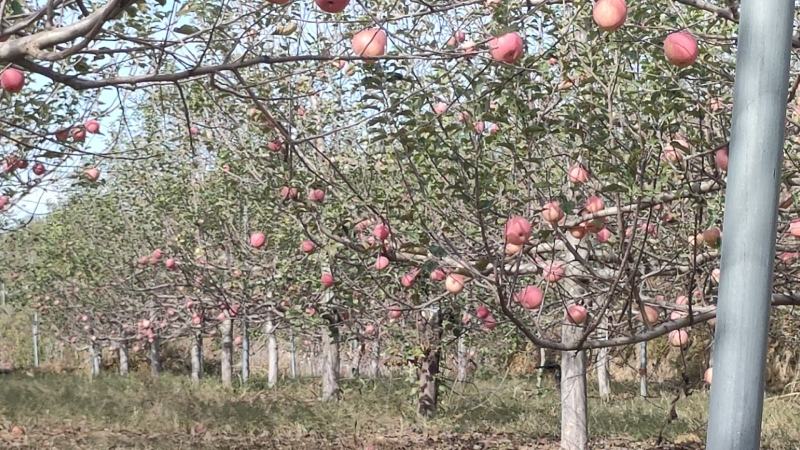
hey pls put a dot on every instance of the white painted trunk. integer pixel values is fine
(155, 357)
(245, 351)
(292, 354)
(330, 362)
(462, 359)
(574, 426)
(94, 360)
(226, 353)
(603, 377)
(122, 353)
(542, 362)
(375, 358)
(196, 356)
(272, 353)
(643, 368)
(35, 333)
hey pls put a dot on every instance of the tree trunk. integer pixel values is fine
(122, 353)
(272, 352)
(155, 357)
(330, 361)
(429, 328)
(196, 355)
(361, 349)
(35, 333)
(292, 354)
(462, 359)
(94, 360)
(643, 368)
(542, 363)
(574, 426)
(603, 379)
(245, 351)
(375, 360)
(226, 354)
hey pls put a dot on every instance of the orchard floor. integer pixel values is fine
(70, 411)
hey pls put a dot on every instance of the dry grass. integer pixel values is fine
(65, 410)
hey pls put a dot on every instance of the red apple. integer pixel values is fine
(576, 314)
(604, 235)
(679, 338)
(506, 48)
(370, 330)
(680, 48)
(170, 264)
(237, 341)
(489, 322)
(454, 283)
(721, 158)
(92, 126)
(4, 201)
(553, 271)
(92, 174)
(529, 297)
(650, 314)
(409, 278)
(308, 246)
(482, 312)
(316, 195)
(62, 135)
(78, 134)
(708, 375)
(578, 231)
(12, 80)
(39, 169)
(381, 231)
(578, 174)
(381, 263)
(518, 230)
(257, 240)
(711, 237)
(332, 6)
(594, 204)
(289, 193)
(513, 249)
(682, 300)
(674, 154)
(370, 43)
(609, 15)
(438, 274)
(275, 145)
(395, 313)
(194, 131)
(156, 255)
(440, 108)
(327, 279)
(552, 212)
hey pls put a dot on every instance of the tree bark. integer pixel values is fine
(226, 354)
(35, 333)
(542, 362)
(603, 379)
(292, 354)
(196, 355)
(155, 357)
(122, 353)
(330, 360)
(272, 352)
(574, 401)
(462, 359)
(574, 411)
(94, 360)
(643, 368)
(429, 328)
(245, 351)
(375, 360)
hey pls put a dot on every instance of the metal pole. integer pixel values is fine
(748, 248)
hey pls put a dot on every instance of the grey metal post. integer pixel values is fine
(748, 248)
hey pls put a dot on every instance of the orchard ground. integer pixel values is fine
(71, 411)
